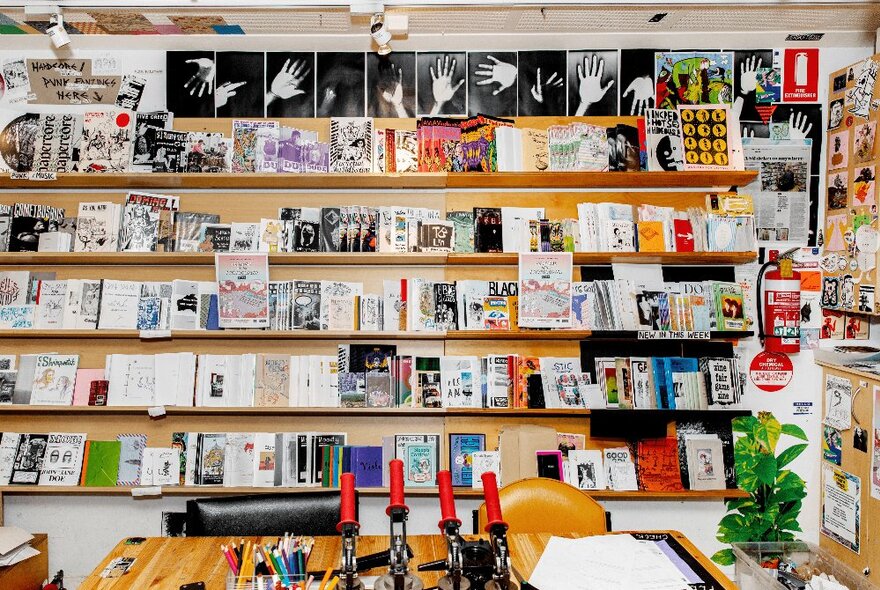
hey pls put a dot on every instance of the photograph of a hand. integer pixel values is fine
(748, 74)
(224, 91)
(746, 132)
(590, 89)
(554, 81)
(203, 79)
(799, 126)
(498, 72)
(442, 86)
(394, 95)
(287, 83)
(642, 89)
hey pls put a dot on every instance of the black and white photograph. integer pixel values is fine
(290, 84)
(752, 129)
(391, 85)
(745, 81)
(492, 83)
(189, 86)
(636, 86)
(239, 91)
(541, 83)
(340, 83)
(442, 83)
(804, 121)
(592, 76)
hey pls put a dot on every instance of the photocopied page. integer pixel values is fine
(605, 562)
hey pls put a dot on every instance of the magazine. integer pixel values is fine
(545, 290)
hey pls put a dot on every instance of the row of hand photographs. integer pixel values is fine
(407, 84)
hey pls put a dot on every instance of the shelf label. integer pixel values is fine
(156, 411)
(146, 491)
(36, 176)
(673, 335)
(154, 334)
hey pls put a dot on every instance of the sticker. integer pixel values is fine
(847, 292)
(828, 263)
(830, 286)
(867, 239)
(841, 263)
(860, 439)
(866, 298)
(849, 236)
(771, 371)
(853, 265)
(832, 445)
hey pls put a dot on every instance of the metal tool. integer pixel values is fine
(398, 576)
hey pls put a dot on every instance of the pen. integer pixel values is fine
(333, 583)
(230, 559)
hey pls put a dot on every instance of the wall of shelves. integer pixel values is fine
(251, 197)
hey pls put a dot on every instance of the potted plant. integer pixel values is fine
(771, 511)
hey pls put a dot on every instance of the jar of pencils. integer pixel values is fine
(265, 582)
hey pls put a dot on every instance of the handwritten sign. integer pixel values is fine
(70, 82)
(673, 335)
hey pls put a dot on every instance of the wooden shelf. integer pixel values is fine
(590, 258)
(364, 259)
(207, 259)
(224, 180)
(254, 334)
(691, 179)
(422, 180)
(343, 412)
(412, 492)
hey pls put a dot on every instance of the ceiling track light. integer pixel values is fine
(380, 33)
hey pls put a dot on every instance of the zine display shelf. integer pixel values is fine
(248, 197)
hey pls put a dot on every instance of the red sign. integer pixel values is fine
(771, 371)
(800, 75)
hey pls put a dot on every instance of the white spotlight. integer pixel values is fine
(380, 33)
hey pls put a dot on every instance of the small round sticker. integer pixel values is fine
(853, 264)
(841, 263)
(848, 236)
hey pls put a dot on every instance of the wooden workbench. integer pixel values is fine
(167, 563)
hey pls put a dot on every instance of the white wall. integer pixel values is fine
(82, 529)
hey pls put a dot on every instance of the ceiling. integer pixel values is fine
(467, 20)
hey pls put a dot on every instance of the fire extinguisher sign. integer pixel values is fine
(800, 75)
(771, 371)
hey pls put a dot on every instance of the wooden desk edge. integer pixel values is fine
(153, 545)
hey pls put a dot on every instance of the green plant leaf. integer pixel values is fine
(765, 469)
(788, 495)
(744, 424)
(768, 430)
(741, 504)
(789, 455)
(724, 557)
(794, 430)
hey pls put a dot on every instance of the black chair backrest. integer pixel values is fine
(308, 513)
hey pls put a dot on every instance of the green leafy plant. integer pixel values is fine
(776, 494)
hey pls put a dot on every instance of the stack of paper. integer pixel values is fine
(15, 545)
(606, 562)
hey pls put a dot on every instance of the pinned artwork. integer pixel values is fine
(863, 141)
(860, 96)
(838, 150)
(837, 190)
(864, 186)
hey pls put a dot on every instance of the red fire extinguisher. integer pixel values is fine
(780, 329)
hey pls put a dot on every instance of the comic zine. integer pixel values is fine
(243, 290)
(545, 290)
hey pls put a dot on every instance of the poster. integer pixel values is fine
(69, 82)
(781, 192)
(243, 290)
(838, 402)
(841, 506)
(705, 136)
(545, 290)
(875, 447)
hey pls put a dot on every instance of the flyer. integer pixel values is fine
(781, 192)
(838, 402)
(243, 290)
(841, 506)
(545, 290)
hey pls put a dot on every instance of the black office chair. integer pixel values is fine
(309, 513)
